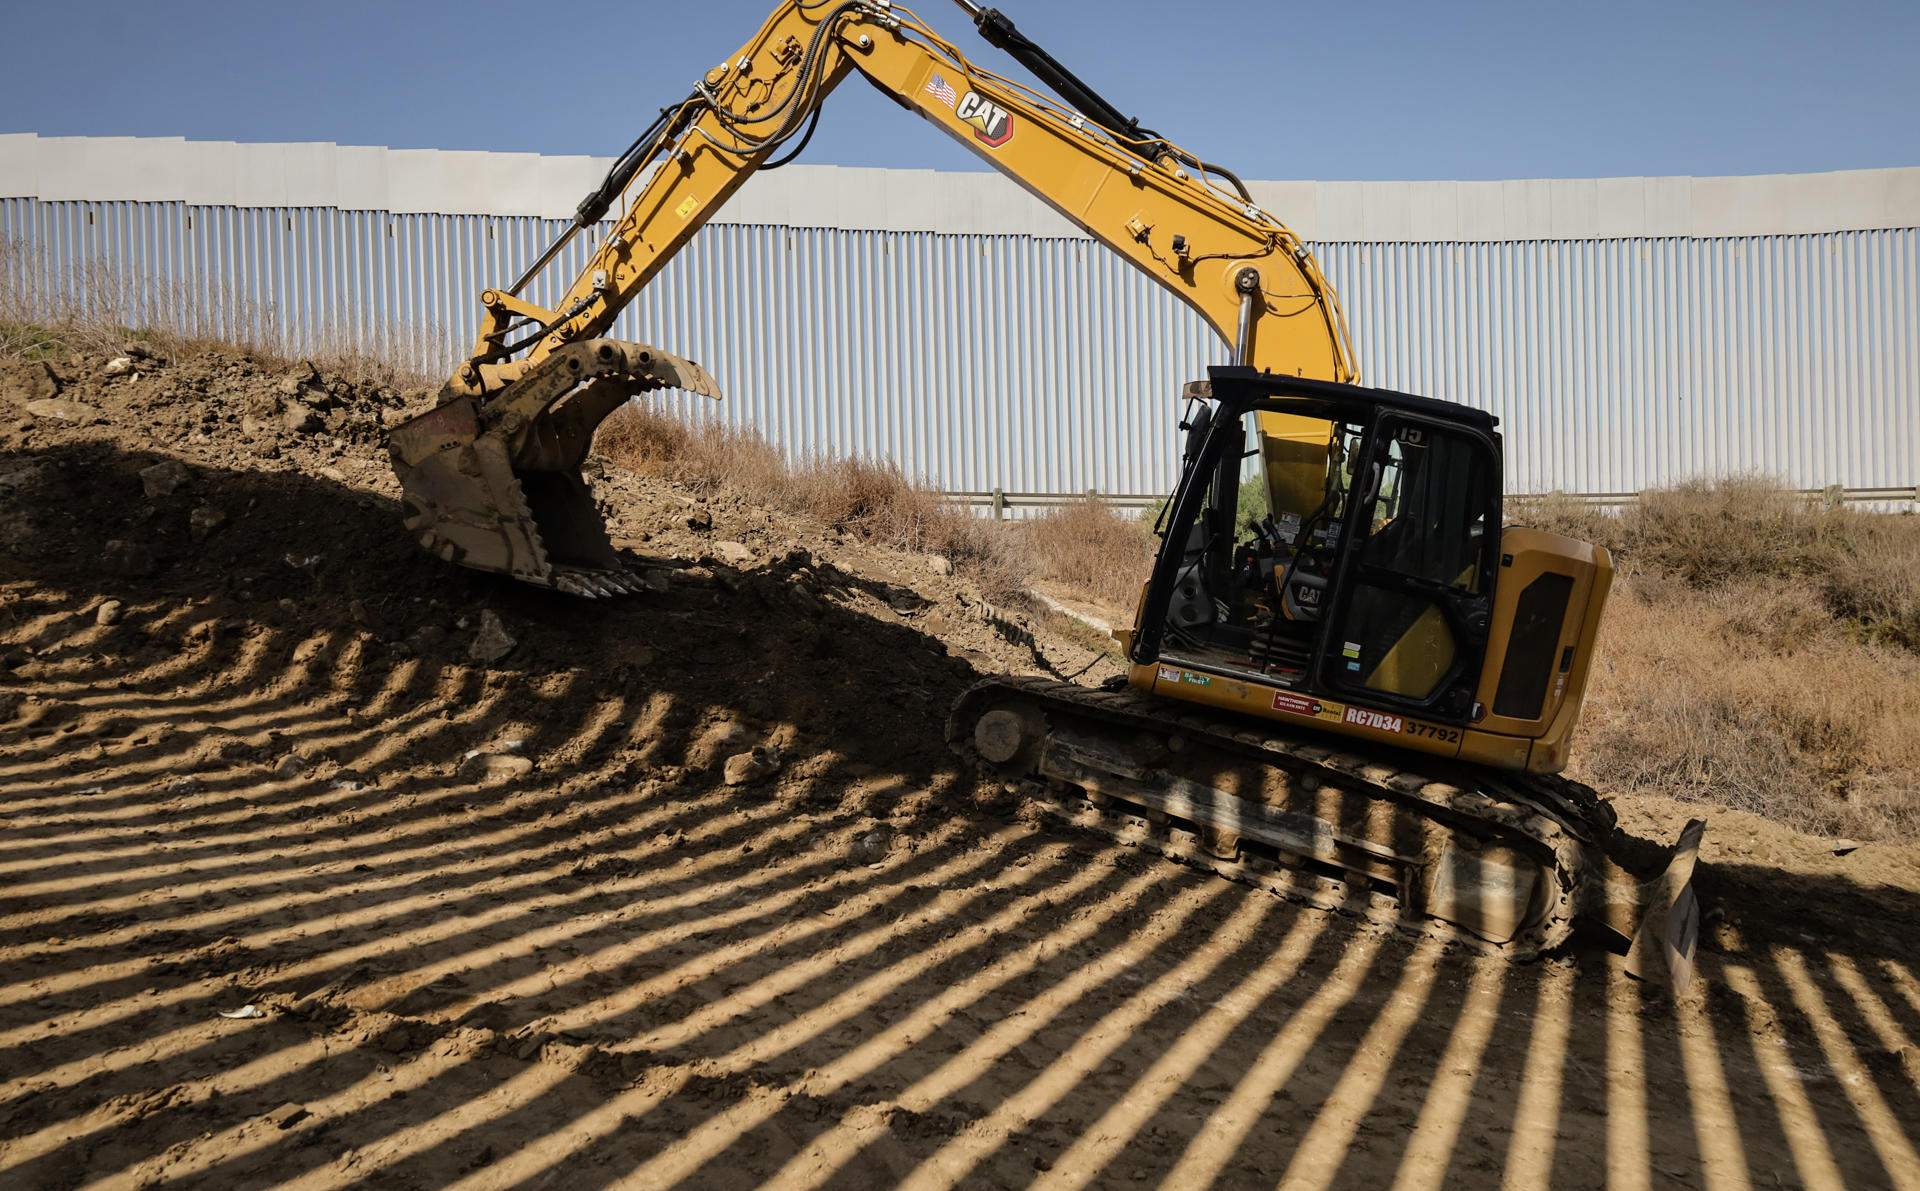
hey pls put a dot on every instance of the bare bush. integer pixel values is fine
(1751, 696)
(874, 501)
(1864, 568)
(1093, 552)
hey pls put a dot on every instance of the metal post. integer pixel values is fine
(1247, 281)
(999, 504)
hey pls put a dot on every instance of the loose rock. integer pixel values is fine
(288, 1115)
(109, 612)
(494, 767)
(870, 847)
(300, 418)
(491, 642)
(733, 553)
(133, 559)
(748, 767)
(298, 379)
(30, 382)
(119, 366)
(61, 410)
(165, 478)
(204, 520)
(940, 564)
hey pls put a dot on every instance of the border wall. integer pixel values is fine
(1629, 332)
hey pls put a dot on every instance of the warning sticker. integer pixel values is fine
(1299, 704)
(1295, 702)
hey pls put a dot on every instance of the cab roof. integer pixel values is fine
(1241, 385)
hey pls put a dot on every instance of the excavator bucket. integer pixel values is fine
(1663, 947)
(494, 482)
(1657, 919)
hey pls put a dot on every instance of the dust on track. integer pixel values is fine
(255, 787)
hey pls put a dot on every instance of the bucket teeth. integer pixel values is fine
(595, 585)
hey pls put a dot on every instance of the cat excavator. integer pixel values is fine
(1357, 694)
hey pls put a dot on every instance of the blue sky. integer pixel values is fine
(1366, 89)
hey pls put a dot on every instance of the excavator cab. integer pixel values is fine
(1376, 587)
(1434, 658)
(1385, 599)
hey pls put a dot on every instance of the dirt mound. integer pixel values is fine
(326, 861)
(261, 497)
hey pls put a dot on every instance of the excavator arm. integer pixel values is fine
(1155, 204)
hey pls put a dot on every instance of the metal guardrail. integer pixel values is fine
(1833, 496)
(1002, 503)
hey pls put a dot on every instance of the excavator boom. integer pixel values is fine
(496, 487)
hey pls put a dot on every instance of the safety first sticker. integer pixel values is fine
(1174, 674)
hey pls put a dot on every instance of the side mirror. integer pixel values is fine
(1196, 426)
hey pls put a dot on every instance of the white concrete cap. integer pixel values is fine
(414, 181)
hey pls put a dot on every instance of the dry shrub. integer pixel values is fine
(874, 501)
(1751, 696)
(1711, 533)
(1759, 653)
(1871, 575)
(1864, 568)
(1093, 552)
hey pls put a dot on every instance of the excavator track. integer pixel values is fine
(1501, 863)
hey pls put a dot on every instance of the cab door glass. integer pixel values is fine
(1422, 557)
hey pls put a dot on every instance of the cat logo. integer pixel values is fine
(992, 124)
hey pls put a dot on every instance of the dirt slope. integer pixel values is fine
(507, 922)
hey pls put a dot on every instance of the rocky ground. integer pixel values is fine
(324, 863)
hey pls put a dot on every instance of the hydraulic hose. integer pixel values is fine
(999, 31)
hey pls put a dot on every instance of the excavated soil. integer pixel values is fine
(295, 889)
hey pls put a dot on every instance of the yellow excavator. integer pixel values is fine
(1357, 696)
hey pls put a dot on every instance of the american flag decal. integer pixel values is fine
(940, 87)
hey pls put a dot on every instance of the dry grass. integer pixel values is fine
(1759, 653)
(873, 501)
(1750, 696)
(1863, 568)
(95, 308)
(1092, 552)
